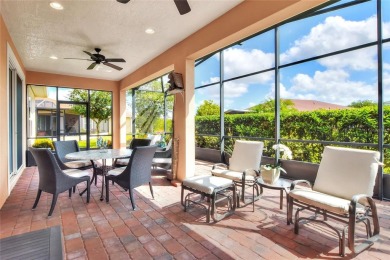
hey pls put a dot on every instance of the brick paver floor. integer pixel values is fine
(160, 229)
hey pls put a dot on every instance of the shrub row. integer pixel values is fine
(358, 125)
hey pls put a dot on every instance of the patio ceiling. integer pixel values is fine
(40, 32)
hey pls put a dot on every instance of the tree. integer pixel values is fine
(207, 108)
(362, 103)
(286, 105)
(100, 107)
(149, 106)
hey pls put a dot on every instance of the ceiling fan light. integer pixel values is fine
(56, 5)
(149, 31)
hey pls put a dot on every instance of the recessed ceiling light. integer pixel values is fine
(149, 31)
(54, 57)
(56, 5)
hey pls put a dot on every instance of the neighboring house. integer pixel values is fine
(311, 105)
(237, 111)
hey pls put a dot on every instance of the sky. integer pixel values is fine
(340, 79)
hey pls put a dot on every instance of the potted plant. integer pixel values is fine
(270, 173)
(39, 143)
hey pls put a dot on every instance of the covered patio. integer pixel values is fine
(253, 34)
(160, 229)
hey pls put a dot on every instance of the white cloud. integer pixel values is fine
(335, 33)
(333, 86)
(238, 62)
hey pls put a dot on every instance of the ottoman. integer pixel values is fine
(215, 189)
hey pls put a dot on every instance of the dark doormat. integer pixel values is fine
(40, 244)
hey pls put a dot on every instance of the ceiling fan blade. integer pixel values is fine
(182, 6)
(93, 57)
(112, 66)
(123, 1)
(91, 66)
(77, 59)
(115, 60)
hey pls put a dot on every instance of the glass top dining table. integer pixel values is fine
(100, 154)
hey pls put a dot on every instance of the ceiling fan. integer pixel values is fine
(97, 58)
(182, 5)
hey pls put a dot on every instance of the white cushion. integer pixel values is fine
(122, 161)
(76, 173)
(116, 171)
(78, 164)
(246, 155)
(344, 172)
(323, 201)
(206, 184)
(232, 175)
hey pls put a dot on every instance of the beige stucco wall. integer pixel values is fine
(4, 39)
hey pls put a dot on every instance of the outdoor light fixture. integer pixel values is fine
(56, 5)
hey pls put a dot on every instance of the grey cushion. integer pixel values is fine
(116, 171)
(78, 164)
(76, 173)
(122, 161)
(206, 184)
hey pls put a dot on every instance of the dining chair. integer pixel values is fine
(135, 174)
(135, 142)
(243, 168)
(62, 148)
(54, 180)
(343, 192)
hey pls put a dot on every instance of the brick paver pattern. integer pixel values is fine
(160, 229)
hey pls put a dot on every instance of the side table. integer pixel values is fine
(281, 184)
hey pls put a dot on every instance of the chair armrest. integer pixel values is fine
(294, 183)
(250, 173)
(219, 165)
(360, 198)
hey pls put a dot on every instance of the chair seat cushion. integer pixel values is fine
(232, 175)
(122, 161)
(116, 171)
(323, 201)
(78, 164)
(76, 173)
(206, 184)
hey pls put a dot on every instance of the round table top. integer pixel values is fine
(99, 154)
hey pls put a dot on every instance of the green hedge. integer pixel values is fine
(345, 125)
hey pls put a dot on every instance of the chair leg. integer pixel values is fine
(88, 190)
(74, 189)
(70, 192)
(132, 198)
(37, 198)
(107, 190)
(151, 189)
(53, 203)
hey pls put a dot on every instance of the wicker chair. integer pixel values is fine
(136, 173)
(243, 168)
(165, 152)
(53, 180)
(62, 149)
(342, 191)
(134, 143)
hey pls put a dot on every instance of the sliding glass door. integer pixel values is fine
(15, 119)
